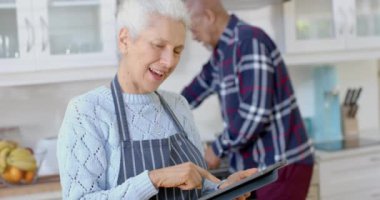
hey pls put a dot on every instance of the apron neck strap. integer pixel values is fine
(171, 113)
(118, 102)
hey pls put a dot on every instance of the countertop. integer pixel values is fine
(367, 142)
(47, 187)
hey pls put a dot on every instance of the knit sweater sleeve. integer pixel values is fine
(82, 159)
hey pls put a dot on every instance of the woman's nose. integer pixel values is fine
(168, 58)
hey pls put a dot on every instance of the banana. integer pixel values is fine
(21, 154)
(3, 158)
(4, 144)
(22, 164)
(22, 159)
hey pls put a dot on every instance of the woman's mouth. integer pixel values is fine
(157, 74)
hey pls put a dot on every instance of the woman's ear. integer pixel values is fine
(123, 40)
(210, 16)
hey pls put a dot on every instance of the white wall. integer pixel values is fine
(303, 83)
(37, 110)
(364, 74)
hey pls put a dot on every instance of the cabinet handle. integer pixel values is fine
(44, 30)
(376, 195)
(28, 40)
(375, 159)
(343, 23)
(352, 26)
(31, 35)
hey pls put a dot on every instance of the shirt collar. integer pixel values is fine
(228, 35)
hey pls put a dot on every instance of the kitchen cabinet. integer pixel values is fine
(13, 36)
(248, 4)
(39, 35)
(331, 25)
(347, 174)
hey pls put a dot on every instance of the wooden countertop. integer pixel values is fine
(46, 184)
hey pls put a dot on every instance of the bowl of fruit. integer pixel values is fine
(18, 165)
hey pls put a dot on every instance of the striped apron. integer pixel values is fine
(140, 155)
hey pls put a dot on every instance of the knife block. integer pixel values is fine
(350, 125)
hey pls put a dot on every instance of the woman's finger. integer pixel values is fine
(248, 172)
(191, 184)
(205, 174)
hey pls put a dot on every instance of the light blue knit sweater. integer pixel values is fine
(89, 144)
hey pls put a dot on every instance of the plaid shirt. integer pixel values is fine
(259, 109)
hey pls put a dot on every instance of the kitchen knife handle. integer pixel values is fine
(347, 97)
(358, 91)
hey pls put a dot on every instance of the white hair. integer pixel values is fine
(134, 14)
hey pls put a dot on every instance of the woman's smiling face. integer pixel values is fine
(153, 55)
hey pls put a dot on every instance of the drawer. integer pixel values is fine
(369, 194)
(349, 175)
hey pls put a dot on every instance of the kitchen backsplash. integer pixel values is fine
(38, 110)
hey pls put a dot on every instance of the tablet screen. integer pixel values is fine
(256, 180)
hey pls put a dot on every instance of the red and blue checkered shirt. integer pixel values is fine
(262, 120)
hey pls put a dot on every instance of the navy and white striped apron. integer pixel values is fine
(140, 155)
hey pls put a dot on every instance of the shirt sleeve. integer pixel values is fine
(254, 72)
(202, 86)
(82, 160)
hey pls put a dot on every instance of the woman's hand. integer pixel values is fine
(237, 176)
(185, 176)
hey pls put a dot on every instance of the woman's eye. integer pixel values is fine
(178, 52)
(159, 46)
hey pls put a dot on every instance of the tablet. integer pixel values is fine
(249, 184)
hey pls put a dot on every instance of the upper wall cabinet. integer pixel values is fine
(365, 27)
(248, 4)
(56, 34)
(331, 25)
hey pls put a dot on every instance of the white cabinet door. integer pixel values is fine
(366, 194)
(350, 175)
(17, 36)
(75, 33)
(313, 25)
(364, 31)
(331, 25)
(56, 34)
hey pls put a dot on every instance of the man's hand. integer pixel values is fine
(237, 176)
(212, 160)
(186, 176)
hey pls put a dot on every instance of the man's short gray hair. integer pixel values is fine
(134, 14)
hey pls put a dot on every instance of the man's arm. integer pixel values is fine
(255, 74)
(201, 87)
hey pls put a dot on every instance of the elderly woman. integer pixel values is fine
(128, 140)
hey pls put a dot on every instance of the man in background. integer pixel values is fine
(262, 121)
